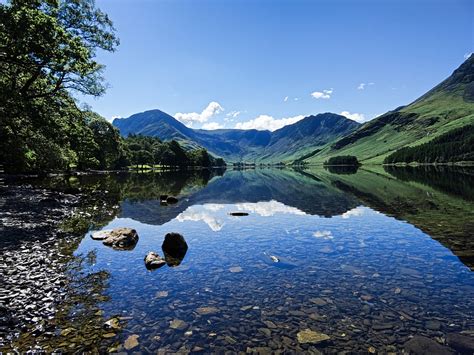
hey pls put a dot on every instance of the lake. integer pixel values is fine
(369, 260)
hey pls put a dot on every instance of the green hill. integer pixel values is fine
(448, 106)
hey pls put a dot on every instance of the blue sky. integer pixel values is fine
(263, 64)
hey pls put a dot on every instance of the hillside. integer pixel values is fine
(447, 106)
(287, 143)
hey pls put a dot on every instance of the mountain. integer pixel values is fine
(448, 106)
(287, 143)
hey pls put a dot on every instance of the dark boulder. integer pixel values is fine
(175, 248)
(421, 345)
(171, 200)
(462, 343)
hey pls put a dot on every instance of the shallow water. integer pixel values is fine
(369, 258)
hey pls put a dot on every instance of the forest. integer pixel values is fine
(453, 146)
(48, 55)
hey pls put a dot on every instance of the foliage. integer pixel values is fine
(453, 146)
(141, 150)
(342, 160)
(47, 53)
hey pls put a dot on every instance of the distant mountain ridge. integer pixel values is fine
(287, 143)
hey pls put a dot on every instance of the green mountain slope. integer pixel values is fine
(287, 143)
(448, 106)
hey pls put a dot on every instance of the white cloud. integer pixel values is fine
(194, 214)
(233, 114)
(467, 55)
(266, 122)
(285, 99)
(323, 234)
(362, 86)
(296, 99)
(212, 125)
(355, 212)
(358, 117)
(211, 110)
(268, 208)
(325, 94)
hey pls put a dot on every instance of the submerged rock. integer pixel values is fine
(178, 324)
(122, 239)
(131, 342)
(171, 200)
(207, 310)
(238, 214)
(423, 345)
(174, 247)
(462, 343)
(311, 337)
(153, 261)
(235, 269)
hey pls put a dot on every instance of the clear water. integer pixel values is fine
(311, 254)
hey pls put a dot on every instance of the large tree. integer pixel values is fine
(47, 53)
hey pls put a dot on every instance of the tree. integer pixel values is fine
(47, 51)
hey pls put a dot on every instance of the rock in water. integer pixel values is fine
(174, 247)
(131, 342)
(101, 235)
(311, 337)
(207, 310)
(178, 324)
(153, 261)
(425, 346)
(163, 197)
(122, 239)
(238, 214)
(462, 343)
(171, 200)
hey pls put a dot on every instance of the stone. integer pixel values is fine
(178, 324)
(101, 235)
(318, 301)
(207, 310)
(154, 261)
(174, 247)
(433, 325)
(122, 239)
(171, 200)
(309, 336)
(161, 294)
(238, 214)
(131, 342)
(163, 197)
(235, 269)
(112, 323)
(421, 345)
(462, 343)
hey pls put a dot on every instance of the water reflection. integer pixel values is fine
(354, 256)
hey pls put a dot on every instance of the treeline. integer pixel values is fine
(144, 150)
(342, 160)
(454, 146)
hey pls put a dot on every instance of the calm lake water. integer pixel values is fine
(369, 258)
